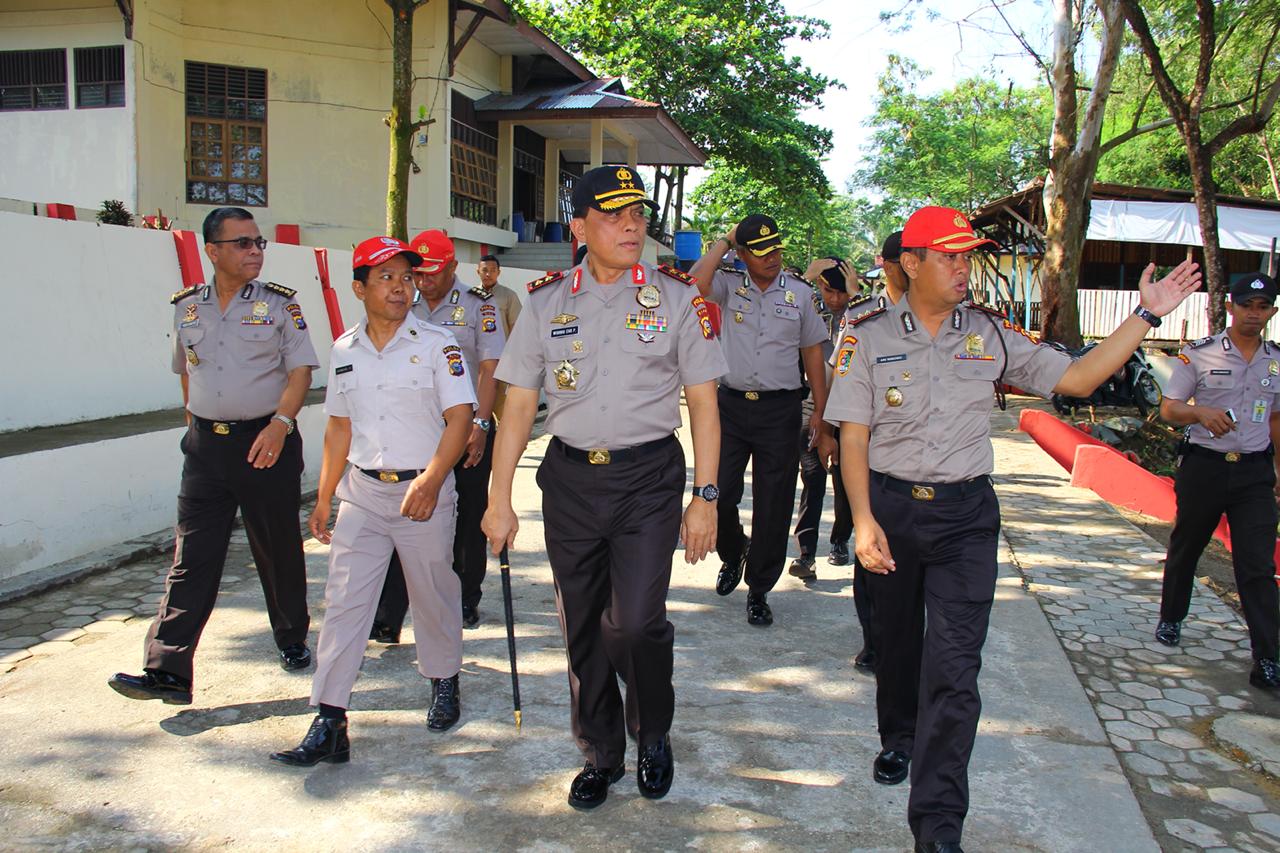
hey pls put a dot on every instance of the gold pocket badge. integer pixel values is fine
(790, 298)
(973, 345)
(742, 291)
(893, 397)
(459, 314)
(737, 316)
(413, 359)
(649, 297)
(261, 309)
(566, 376)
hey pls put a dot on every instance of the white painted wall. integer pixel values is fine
(80, 157)
(59, 504)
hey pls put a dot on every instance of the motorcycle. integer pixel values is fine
(1133, 385)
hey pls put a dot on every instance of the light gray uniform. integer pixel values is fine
(237, 361)
(471, 314)
(395, 400)
(761, 331)
(939, 431)
(610, 368)
(1214, 372)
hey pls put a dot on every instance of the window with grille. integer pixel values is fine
(33, 79)
(474, 156)
(226, 135)
(99, 76)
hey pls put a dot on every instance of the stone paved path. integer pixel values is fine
(1098, 578)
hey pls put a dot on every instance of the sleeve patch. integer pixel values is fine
(844, 358)
(287, 293)
(550, 278)
(453, 355)
(704, 317)
(1014, 327)
(295, 311)
(677, 274)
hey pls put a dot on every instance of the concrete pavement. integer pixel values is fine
(774, 732)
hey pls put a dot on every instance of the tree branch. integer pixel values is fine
(1169, 91)
(1044, 67)
(1208, 43)
(1108, 59)
(1252, 123)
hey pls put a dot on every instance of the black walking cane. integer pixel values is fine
(504, 564)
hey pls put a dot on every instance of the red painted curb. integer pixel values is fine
(1056, 438)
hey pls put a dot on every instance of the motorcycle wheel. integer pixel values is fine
(1146, 393)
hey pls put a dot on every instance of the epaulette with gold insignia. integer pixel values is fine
(550, 278)
(865, 315)
(986, 309)
(677, 274)
(859, 300)
(481, 292)
(1201, 342)
(286, 292)
(183, 294)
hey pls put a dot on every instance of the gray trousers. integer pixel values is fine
(368, 529)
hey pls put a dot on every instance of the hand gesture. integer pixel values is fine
(267, 447)
(1214, 420)
(817, 267)
(1166, 294)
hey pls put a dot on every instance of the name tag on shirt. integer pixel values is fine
(1259, 411)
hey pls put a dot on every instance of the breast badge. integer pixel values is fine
(566, 376)
(1273, 367)
(649, 296)
(737, 316)
(564, 319)
(973, 345)
(459, 314)
(790, 298)
(261, 309)
(893, 397)
(192, 358)
(191, 318)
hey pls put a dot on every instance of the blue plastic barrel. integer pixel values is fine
(517, 225)
(553, 232)
(688, 245)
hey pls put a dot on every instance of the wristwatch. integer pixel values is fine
(1144, 314)
(483, 423)
(708, 493)
(289, 423)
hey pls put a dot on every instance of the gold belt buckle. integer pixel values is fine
(598, 456)
(220, 428)
(752, 395)
(922, 493)
(388, 476)
(1232, 456)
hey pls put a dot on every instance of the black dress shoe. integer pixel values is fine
(326, 740)
(655, 770)
(152, 684)
(731, 575)
(866, 659)
(297, 656)
(802, 567)
(839, 554)
(381, 632)
(1169, 633)
(590, 788)
(938, 847)
(758, 612)
(446, 706)
(891, 767)
(470, 616)
(1266, 674)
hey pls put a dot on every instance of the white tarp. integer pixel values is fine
(1177, 223)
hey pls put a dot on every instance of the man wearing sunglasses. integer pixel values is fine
(244, 355)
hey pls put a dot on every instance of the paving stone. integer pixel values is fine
(71, 622)
(62, 634)
(1145, 718)
(1208, 758)
(1237, 800)
(1139, 690)
(1179, 738)
(1120, 744)
(1231, 703)
(18, 642)
(1194, 832)
(1186, 771)
(1205, 654)
(1107, 712)
(81, 610)
(114, 615)
(1268, 823)
(1186, 697)
(1143, 765)
(1161, 751)
(1170, 709)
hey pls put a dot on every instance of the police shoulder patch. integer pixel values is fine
(183, 294)
(286, 292)
(1201, 342)
(865, 316)
(550, 278)
(677, 274)
(481, 292)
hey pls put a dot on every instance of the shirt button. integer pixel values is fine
(605, 372)
(935, 379)
(382, 417)
(606, 340)
(379, 358)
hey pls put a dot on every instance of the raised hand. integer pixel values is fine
(1163, 296)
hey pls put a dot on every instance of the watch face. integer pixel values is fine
(710, 493)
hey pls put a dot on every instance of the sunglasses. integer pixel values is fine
(243, 243)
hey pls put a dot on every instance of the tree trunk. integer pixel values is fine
(1066, 200)
(402, 126)
(1206, 192)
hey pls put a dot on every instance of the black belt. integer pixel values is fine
(760, 395)
(389, 476)
(231, 427)
(933, 491)
(1229, 456)
(601, 456)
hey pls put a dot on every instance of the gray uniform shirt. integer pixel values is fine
(762, 331)
(928, 400)
(1213, 371)
(835, 322)
(396, 398)
(611, 367)
(471, 314)
(238, 361)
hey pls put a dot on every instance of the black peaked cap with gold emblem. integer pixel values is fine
(759, 234)
(610, 188)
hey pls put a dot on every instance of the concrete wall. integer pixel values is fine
(73, 156)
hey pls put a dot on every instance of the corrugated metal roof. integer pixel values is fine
(584, 96)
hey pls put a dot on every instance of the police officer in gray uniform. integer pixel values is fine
(768, 317)
(471, 314)
(912, 393)
(245, 357)
(1228, 466)
(611, 343)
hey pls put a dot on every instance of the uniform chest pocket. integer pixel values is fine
(739, 304)
(1218, 380)
(900, 391)
(567, 368)
(646, 343)
(790, 313)
(190, 337)
(256, 342)
(977, 369)
(975, 376)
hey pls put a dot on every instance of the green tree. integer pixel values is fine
(399, 119)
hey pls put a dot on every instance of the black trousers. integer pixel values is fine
(813, 488)
(863, 605)
(763, 431)
(216, 480)
(1207, 487)
(470, 548)
(927, 700)
(611, 531)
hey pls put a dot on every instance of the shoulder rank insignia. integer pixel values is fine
(1201, 342)
(481, 292)
(677, 274)
(550, 278)
(286, 292)
(859, 301)
(864, 316)
(183, 294)
(986, 309)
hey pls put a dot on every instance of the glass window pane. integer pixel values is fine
(196, 191)
(237, 170)
(215, 168)
(198, 168)
(254, 171)
(235, 192)
(255, 153)
(257, 195)
(115, 94)
(217, 193)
